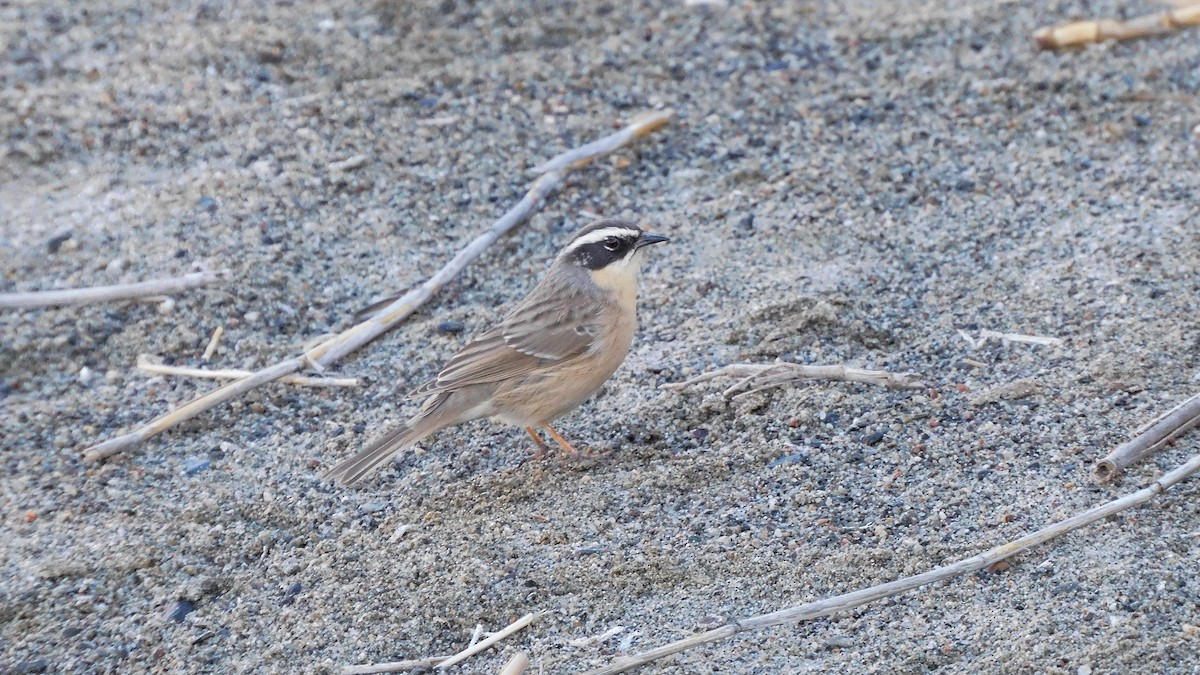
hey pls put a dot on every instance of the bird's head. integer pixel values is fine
(611, 251)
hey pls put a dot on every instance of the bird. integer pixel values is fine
(547, 356)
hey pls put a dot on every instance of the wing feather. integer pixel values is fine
(550, 326)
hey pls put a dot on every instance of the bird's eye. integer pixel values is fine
(612, 244)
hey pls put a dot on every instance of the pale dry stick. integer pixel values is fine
(394, 666)
(641, 126)
(476, 634)
(781, 373)
(986, 335)
(233, 374)
(593, 640)
(213, 343)
(1080, 33)
(841, 603)
(96, 294)
(516, 665)
(385, 319)
(492, 639)
(1150, 437)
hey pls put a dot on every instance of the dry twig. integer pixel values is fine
(394, 666)
(491, 640)
(841, 603)
(643, 125)
(213, 343)
(233, 374)
(1171, 425)
(756, 377)
(986, 335)
(1080, 33)
(441, 662)
(516, 665)
(85, 296)
(387, 318)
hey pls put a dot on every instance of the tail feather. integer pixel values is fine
(350, 471)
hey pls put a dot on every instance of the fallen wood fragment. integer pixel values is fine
(233, 374)
(986, 335)
(841, 603)
(516, 665)
(388, 317)
(213, 343)
(1151, 437)
(756, 377)
(491, 640)
(1080, 33)
(394, 666)
(97, 294)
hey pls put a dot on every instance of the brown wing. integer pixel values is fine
(549, 326)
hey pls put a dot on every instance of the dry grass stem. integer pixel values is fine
(213, 343)
(593, 640)
(756, 377)
(516, 665)
(841, 603)
(394, 666)
(986, 335)
(86, 296)
(1169, 426)
(348, 164)
(346, 342)
(1080, 33)
(483, 645)
(233, 374)
(444, 121)
(476, 634)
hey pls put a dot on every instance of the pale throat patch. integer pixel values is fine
(621, 277)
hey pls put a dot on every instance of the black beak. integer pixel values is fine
(647, 238)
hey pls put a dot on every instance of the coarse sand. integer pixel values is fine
(842, 184)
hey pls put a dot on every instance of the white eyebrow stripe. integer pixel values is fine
(601, 235)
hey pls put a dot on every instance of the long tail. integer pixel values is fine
(381, 450)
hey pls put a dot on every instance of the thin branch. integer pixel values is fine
(214, 343)
(764, 376)
(1080, 33)
(333, 349)
(1151, 437)
(85, 296)
(394, 666)
(233, 374)
(841, 603)
(483, 645)
(641, 126)
(986, 335)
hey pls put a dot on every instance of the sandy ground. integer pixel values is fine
(842, 185)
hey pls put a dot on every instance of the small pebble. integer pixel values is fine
(206, 203)
(55, 243)
(373, 507)
(789, 459)
(874, 437)
(450, 327)
(86, 375)
(180, 610)
(194, 465)
(839, 642)
(289, 596)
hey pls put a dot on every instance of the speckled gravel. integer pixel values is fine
(841, 185)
